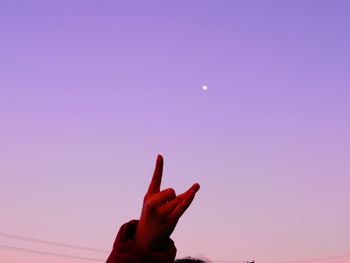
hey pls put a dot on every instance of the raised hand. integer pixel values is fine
(161, 211)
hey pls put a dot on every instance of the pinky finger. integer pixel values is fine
(182, 207)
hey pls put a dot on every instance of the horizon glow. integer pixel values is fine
(91, 92)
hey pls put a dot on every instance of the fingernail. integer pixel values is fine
(196, 187)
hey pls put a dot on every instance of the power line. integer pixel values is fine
(310, 260)
(41, 241)
(59, 244)
(49, 253)
(29, 239)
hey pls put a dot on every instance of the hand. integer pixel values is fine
(161, 211)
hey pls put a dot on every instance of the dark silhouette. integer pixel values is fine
(148, 239)
(189, 260)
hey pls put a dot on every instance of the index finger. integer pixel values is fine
(156, 181)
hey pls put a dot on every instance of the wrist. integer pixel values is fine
(160, 244)
(140, 239)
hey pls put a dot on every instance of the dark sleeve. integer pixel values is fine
(125, 250)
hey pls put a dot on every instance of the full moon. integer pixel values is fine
(204, 87)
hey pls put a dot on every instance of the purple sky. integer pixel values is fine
(92, 91)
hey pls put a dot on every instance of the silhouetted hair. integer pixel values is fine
(189, 260)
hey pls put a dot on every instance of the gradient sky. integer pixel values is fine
(92, 91)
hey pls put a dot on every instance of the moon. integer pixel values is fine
(204, 87)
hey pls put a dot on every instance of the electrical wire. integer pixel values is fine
(49, 253)
(59, 244)
(30, 239)
(320, 259)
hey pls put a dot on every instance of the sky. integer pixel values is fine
(92, 91)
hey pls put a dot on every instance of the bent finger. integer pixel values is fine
(182, 207)
(169, 207)
(161, 198)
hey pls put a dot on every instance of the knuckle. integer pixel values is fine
(171, 192)
(149, 203)
(145, 198)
